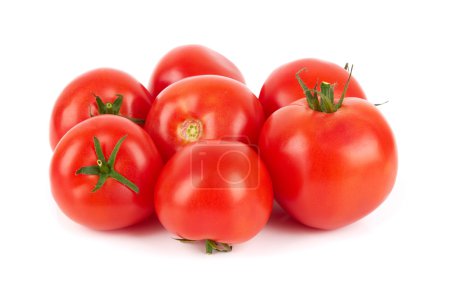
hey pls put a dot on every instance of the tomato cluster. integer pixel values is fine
(208, 156)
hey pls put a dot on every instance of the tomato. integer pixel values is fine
(331, 168)
(103, 173)
(217, 191)
(190, 60)
(101, 91)
(281, 87)
(204, 107)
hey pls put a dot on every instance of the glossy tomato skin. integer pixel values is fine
(329, 169)
(282, 88)
(77, 101)
(190, 60)
(114, 205)
(223, 109)
(223, 192)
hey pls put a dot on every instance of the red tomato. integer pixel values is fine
(100, 187)
(215, 191)
(190, 60)
(204, 107)
(329, 169)
(101, 91)
(281, 87)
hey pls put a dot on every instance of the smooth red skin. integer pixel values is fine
(73, 104)
(114, 205)
(282, 88)
(209, 210)
(329, 170)
(190, 60)
(226, 108)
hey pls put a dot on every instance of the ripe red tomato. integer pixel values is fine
(281, 87)
(103, 173)
(190, 60)
(204, 107)
(215, 191)
(329, 169)
(101, 91)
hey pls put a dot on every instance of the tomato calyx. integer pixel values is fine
(323, 100)
(112, 108)
(210, 245)
(105, 168)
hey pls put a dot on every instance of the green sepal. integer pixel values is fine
(309, 97)
(98, 150)
(100, 105)
(344, 91)
(208, 247)
(89, 170)
(378, 104)
(112, 157)
(346, 67)
(101, 181)
(327, 97)
(183, 240)
(211, 245)
(135, 120)
(124, 181)
(117, 104)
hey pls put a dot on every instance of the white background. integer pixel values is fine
(400, 54)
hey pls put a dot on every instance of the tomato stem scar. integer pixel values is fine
(190, 130)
